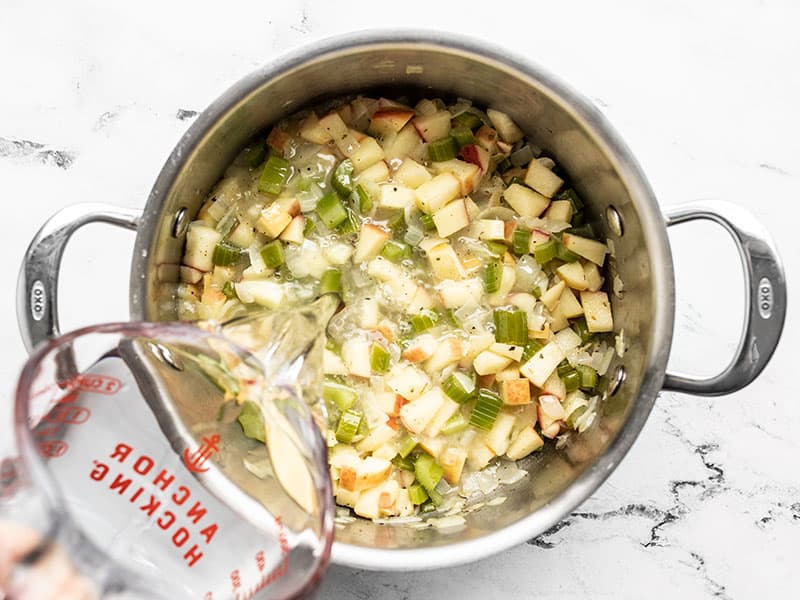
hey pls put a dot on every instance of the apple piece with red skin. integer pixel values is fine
(433, 127)
(294, 230)
(390, 120)
(472, 153)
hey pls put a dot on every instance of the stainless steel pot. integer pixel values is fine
(621, 203)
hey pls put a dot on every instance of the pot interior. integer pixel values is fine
(568, 129)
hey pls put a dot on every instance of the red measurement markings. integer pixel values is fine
(236, 580)
(10, 477)
(53, 448)
(196, 461)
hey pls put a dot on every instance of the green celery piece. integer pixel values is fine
(531, 348)
(424, 320)
(229, 291)
(364, 200)
(274, 176)
(444, 149)
(468, 120)
(520, 241)
(396, 251)
(379, 358)
(459, 387)
(511, 326)
(342, 178)
(331, 282)
(462, 135)
(349, 424)
(272, 254)
(417, 493)
(580, 327)
(486, 410)
(563, 254)
(427, 471)
(545, 252)
(331, 210)
(342, 396)
(252, 421)
(407, 445)
(256, 154)
(455, 424)
(403, 462)
(493, 277)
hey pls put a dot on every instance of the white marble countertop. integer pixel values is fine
(707, 503)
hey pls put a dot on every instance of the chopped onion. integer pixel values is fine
(497, 212)
(414, 235)
(508, 472)
(546, 162)
(451, 522)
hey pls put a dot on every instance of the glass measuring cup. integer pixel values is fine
(166, 460)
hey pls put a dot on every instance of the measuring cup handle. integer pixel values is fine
(37, 287)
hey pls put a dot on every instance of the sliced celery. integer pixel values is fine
(417, 493)
(331, 282)
(272, 254)
(496, 248)
(486, 410)
(342, 178)
(531, 348)
(545, 252)
(379, 358)
(455, 424)
(462, 135)
(348, 425)
(331, 210)
(352, 224)
(521, 241)
(423, 321)
(226, 254)
(342, 396)
(444, 149)
(468, 120)
(274, 176)
(459, 387)
(563, 254)
(493, 277)
(427, 222)
(364, 200)
(580, 327)
(427, 471)
(572, 380)
(403, 462)
(229, 291)
(511, 326)
(407, 445)
(588, 377)
(255, 154)
(396, 251)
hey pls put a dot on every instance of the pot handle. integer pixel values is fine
(37, 287)
(765, 299)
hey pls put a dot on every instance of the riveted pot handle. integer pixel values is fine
(765, 300)
(37, 287)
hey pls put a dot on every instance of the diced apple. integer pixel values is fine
(376, 173)
(558, 320)
(478, 343)
(479, 454)
(243, 235)
(549, 411)
(447, 410)
(589, 249)
(508, 130)
(377, 437)
(340, 133)
(542, 364)
(507, 281)
(337, 253)
(369, 313)
(555, 386)
(451, 218)
(294, 230)
(356, 356)
(422, 300)
(594, 280)
(403, 505)
(488, 230)
(313, 132)
(273, 220)
(346, 112)
(468, 175)
(452, 461)
(525, 442)
(477, 155)
(343, 455)
(412, 174)
(445, 263)
(597, 310)
(559, 210)
(416, 415)
(551, 297)
(346, 497)
(420, 349)
(200, 242)
(186, 274)
(525, 201)
(394, 195)
(389, 120)
(516, 391)
(449, 351)
(369, 153)
(489, 363)
(367, 505)
(573, 274)
(383, 270)
(403, 144)
(538, 236)
(512, 351)
(370, 242)
(499, 436)
(265, 293)
(542, 179)
(510, 372)
(332, 364)
(434, 126)
(437, 192)
(487, 138)
(569, 305)
(407, 381)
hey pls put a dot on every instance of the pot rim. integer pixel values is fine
(607, 139)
